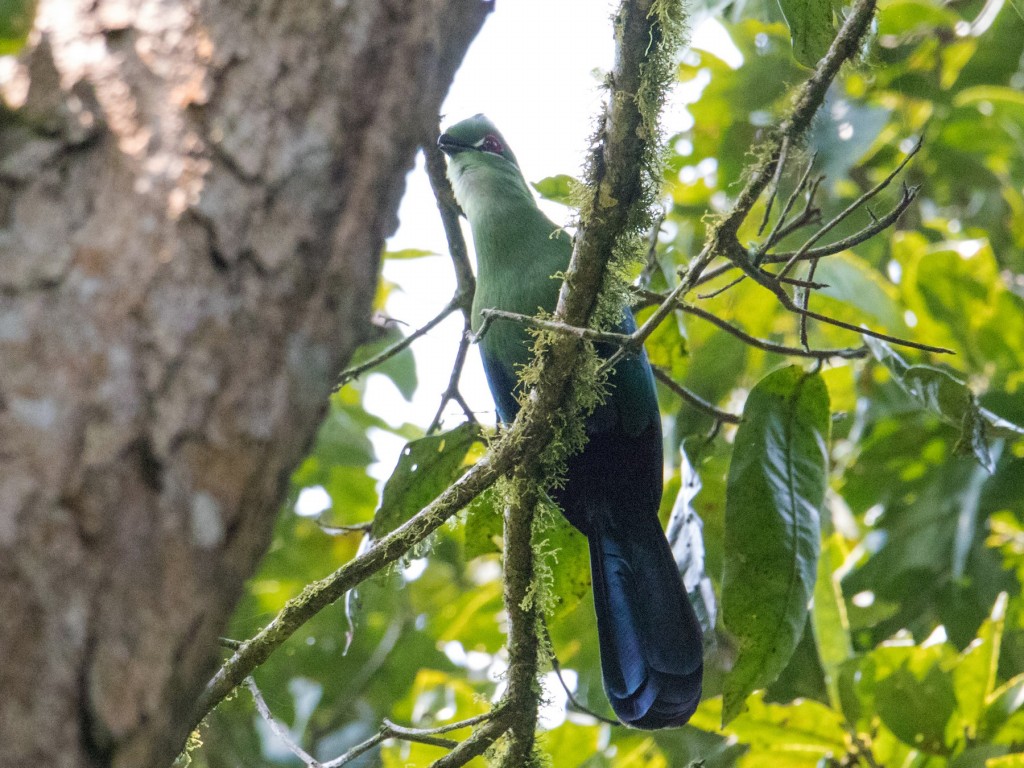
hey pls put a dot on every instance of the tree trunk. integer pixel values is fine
(193, 199)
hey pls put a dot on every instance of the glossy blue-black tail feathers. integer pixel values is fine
(651, 641)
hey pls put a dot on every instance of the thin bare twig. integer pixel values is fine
(389, 730)
(651, 264)
(741, 278)
(876, 226)
(855, 205)
(779, 230)
(719, 291)
(847, 353)
(452, 391)
(345, 530)
(449, 211)
(780, 164)
(557, 669)
(768, 281)
(693, 398)
(358, 370)
(809, 214)
(807, 298)
(282, 733)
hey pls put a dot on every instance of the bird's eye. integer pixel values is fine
(491, 144)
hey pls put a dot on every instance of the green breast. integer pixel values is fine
(518, 257)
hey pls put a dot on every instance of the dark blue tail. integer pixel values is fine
(651, 640)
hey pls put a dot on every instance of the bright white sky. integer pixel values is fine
(534, 70)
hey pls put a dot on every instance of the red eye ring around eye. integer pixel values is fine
(491, 144)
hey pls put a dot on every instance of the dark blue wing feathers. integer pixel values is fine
(650, 638)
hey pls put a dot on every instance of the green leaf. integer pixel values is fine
(831, 625)
(975, 675)
(913, 693)
(426, 467)
(810, 24)
(568, 742)
(558, 189)
(942, 394)
(482, 531)
(400, 368)
(775, 489)
(1006, 761)
(1005, 702)
(16, 17)
(853, 280)
(408, 253)
(1018, 6)
(562, 552)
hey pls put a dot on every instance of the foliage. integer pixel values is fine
(913, 650)
(16, 18)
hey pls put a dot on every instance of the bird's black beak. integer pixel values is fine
(450, 145)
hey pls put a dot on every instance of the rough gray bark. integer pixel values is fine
(193, 197)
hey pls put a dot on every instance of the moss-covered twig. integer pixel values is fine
(854, 206)
(608, 337)
(722, 237)
(877, 225)
(318, 595)
(521, 606)
(622, 182)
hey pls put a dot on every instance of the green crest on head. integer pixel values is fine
(476, 134)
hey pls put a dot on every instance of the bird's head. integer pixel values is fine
(484, 173)
(476, 140)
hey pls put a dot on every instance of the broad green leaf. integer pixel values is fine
(558, 188)
(810, 24)
(975, 675)
(638, 751)
(1018, 6)
(1006, 761)
(805, 729)
(1010, 100)
(563, 561)
(775, 490)
(799, 734)
(666, 347)
(16, 17)
(426, 467)
(831, 625)
(913, 693)
(1004, 703)
(482, 531)
(947, 397)
(853, 280)
(569, 743)
(903, 16)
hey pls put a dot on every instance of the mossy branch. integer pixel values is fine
(647, 32)
(318, 595)
(722, 239)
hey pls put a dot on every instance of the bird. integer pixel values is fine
(650, 639)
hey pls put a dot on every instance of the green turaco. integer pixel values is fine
(650, 639)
